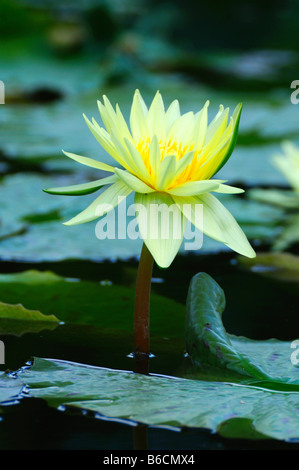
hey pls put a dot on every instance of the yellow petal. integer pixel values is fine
(156, 118)
(89, 162)
(138, 117)
(132, 182)
(182, 128)
(103, 138)
(218, 222)
(161, 224)
(200, 126)
(192, 188)
(97, 208)
(172, 114)
(155, 156)
(165, 173)
(226, 189)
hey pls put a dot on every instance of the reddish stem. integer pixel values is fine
(142, 306)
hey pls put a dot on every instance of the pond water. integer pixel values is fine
(93, 297)
(256, 307)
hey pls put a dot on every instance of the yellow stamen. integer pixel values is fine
(173, 147)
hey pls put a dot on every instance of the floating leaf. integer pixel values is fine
(10, 387)
(17, 320)
(32, 232)
(233, 410)
(91, 303)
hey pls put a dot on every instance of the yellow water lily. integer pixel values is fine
(166, 158)
(288, 164)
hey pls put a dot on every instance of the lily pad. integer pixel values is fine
(37, 232)
(92, 303)
(17, 320)
(10, 387)
(233, 410)
(208, 343)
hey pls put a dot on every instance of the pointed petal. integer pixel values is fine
(215, 157)
(214, 124)
(216, 129)
(162, 226)
(209, 225)
(181, 170)
(111, 196)
(138, 163)
(172, 114)
(132, 182)
(123, 155)
(89, 162)
(192, 188)
(201, 126)
(138, 117)
(218, 223)
(236, 119)
(82, 189)
(155, 156)
(104, 116)
(107, 113)
(114, 120)
(182, 128)
(166, 172)
(102, 137)
(226, 189)
(121, 125)
(182, 164)
(156, 117)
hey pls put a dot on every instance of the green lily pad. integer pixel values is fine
(208, 343)
(91, 303)
(37, 232)
(17, 320)
(233, 410)
(10, 387)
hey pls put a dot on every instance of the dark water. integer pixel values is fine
(257, 307)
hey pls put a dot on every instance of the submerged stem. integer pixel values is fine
(142, 306)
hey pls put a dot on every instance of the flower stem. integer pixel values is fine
(142, 306)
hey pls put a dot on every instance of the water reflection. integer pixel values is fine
(140, 437)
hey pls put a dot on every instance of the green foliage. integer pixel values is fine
(233, 410)
(208, 344)
(89, 303)
(17, 320)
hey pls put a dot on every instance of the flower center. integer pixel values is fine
(171, 147)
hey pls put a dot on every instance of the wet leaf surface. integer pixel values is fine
(233, 410)
(208, 343)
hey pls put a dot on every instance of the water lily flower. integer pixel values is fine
(288, 164)
(165, 157)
